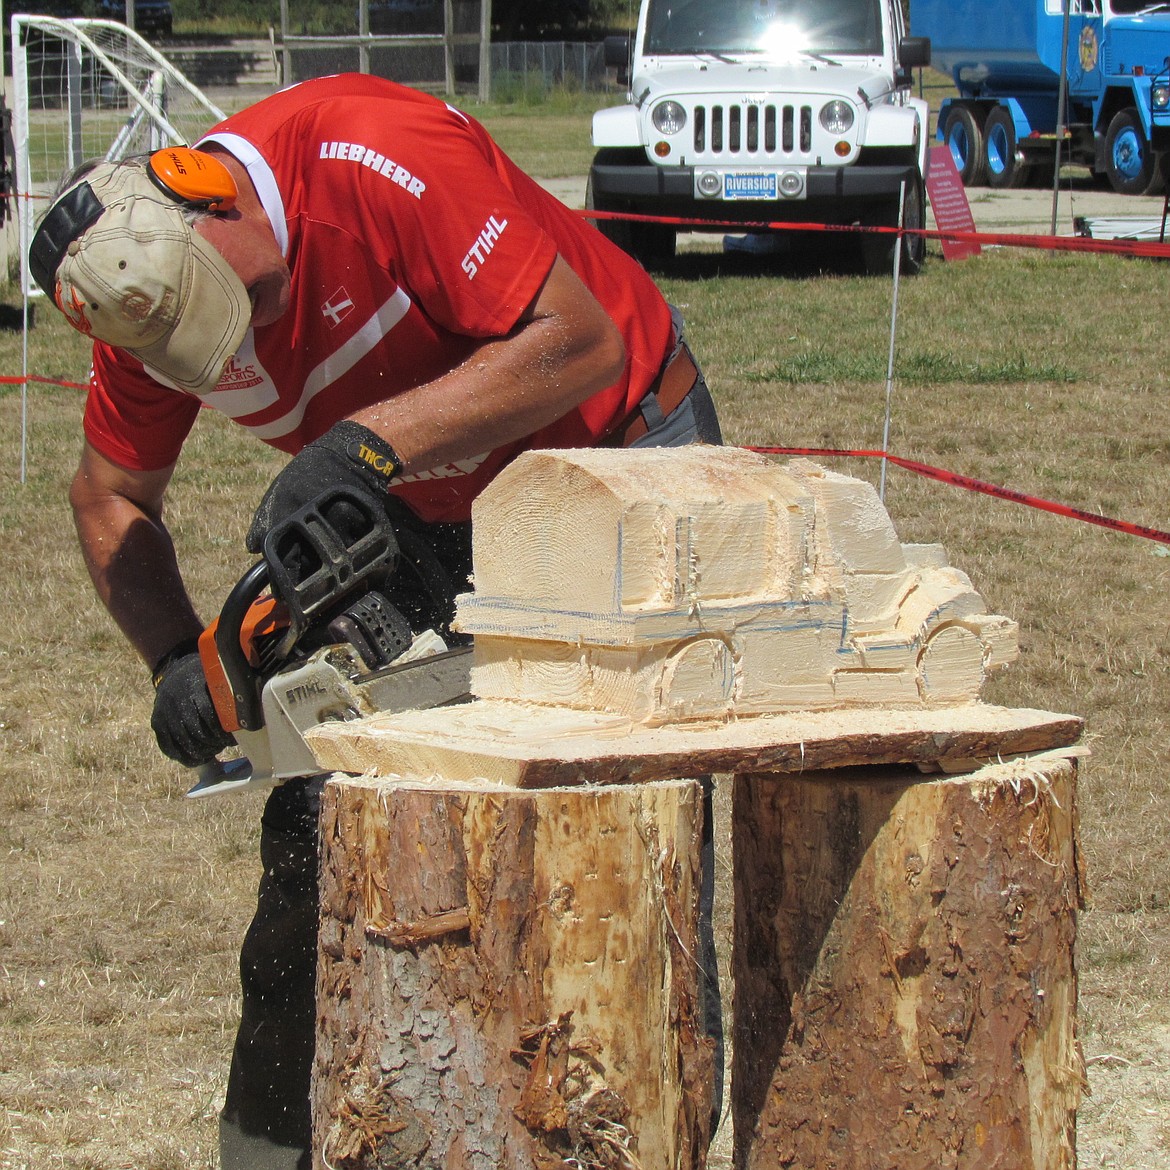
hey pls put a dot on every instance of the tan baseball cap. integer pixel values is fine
(120, 261)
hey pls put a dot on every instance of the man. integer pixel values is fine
(356, 273)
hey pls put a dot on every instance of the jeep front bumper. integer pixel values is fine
(749, 194)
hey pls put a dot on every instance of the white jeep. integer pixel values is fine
(758, 111)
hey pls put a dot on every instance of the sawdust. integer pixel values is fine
(567, 1104)
(368, 1128)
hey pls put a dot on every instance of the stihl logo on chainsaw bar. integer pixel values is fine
(383, 464)
(482, 248)
(367, 156)
(303, 691)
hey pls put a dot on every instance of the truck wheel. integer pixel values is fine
(964, 138)
(877, 248)
(1131, 165)
(649, 243)
(1005, 166)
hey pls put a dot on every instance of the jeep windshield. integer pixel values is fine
(773, 28)
(1134, 8)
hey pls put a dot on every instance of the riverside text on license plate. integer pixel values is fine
(757, 186)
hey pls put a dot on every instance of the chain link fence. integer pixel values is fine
(516, 66)
(546, 65)
(437, 44)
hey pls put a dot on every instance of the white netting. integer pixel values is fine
(90, 89)
(86, 89)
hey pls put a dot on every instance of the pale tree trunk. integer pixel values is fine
(903, 963)
(508, 978)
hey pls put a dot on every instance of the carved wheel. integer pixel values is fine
(950, 666)
(698, 680)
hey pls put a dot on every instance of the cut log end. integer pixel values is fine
(906, 947)
(508, 978)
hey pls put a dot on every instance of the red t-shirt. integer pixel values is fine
(410, 237)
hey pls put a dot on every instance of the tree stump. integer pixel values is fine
(507, 979)
(903, 965)
(508, 975)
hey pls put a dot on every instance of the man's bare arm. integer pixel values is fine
(129, 553)
(564, 350)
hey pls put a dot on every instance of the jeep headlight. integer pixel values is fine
(668, 117)
(1160, 95)
(837, 116)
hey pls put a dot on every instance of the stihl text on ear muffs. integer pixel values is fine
(193, 177)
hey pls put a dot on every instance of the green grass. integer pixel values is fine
(549, 137)
(824, 364)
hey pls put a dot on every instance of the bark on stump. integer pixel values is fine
(506, 978)
(903, 964)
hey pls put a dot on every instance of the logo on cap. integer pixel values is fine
(136, 307)
(74, 311)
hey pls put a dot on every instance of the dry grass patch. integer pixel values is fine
(123, 904)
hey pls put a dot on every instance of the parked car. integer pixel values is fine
(152, 18)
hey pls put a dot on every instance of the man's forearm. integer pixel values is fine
(131, 560)
(564, 350)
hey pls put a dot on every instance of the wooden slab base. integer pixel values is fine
(528, 746)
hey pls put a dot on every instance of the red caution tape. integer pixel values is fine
(1147, 248)
(978, 485)
(12, 381)
(938, 473)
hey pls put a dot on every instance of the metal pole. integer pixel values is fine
(449, 47)
(24, 391)
(893, 336)
(286, 52)
(484, 50)
(1061, 99)
(363, 32)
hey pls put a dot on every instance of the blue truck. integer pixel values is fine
(1005, 56)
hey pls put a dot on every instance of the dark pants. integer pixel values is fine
(265, 1119)
(265, 1124)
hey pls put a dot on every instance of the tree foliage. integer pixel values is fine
(571, 19)
(511, 19)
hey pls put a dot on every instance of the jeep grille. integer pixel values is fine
(764, 131)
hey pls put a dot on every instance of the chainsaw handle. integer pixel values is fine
(244, 680)
(325, 551)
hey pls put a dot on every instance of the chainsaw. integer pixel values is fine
(308, 635)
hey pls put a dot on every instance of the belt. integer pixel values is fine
(672, 385)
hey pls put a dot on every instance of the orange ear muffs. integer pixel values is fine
(193, 177)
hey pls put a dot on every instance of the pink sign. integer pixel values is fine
(948, 201)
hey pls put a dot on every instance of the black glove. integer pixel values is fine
(184, 719)
(347, 455)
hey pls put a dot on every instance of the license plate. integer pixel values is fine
(750, 186)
